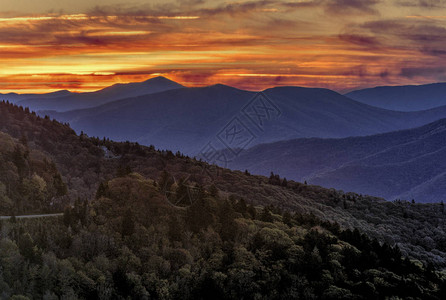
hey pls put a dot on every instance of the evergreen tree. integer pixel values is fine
(128, 223)
(59, 185)
(123, 171)
(102, 190)
(165, 181)
(228, 228)
(266, 215)
(213, 191)
(67, 217)
(26, 247)
(199, 215)
(252, 211)
(182, 193)
(241, 206)
(284, 182)
(287, 219)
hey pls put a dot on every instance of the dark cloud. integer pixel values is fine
(423, 35)
(237, 8)
(434, 52)
(191, 2)
(361, 40)
(422, 3)
(414, 48)
(301, 4)
(351, 6)
(183, 8)
(384, 74)
(433, 72)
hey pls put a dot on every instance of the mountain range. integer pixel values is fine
(187, 119)
(309, 134)
(403, 98)
(65, 100)
(15, 98)
(407, 164)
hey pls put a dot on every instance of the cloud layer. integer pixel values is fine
(339, 44)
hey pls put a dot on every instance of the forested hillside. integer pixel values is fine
(406, 164)
(130, 242)
(29, 180)
(125, 237)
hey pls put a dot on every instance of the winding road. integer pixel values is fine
(32, 216)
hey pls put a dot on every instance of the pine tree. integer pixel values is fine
(123, 171)
(241, 206)
(252, 211)
(165, 182)
(286, 219)
(128, 223)
(175, 229)
(228, 228)
(266, 215)
(26, 247)
(59, 185)
(102, 190)
(199, 215)
(284, 182)
(67, 216)
(213, 191)
(182, 193)
(19, 160)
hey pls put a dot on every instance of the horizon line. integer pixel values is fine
(188, 85)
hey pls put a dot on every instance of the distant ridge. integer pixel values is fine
(14, 97)
(64, 101)
(407, 164)
(403, 98)
(186, 119)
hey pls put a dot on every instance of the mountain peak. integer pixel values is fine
(155, 83)
(160, 79)
(403, 98)
(64, 100)
(305, 92)
(221, 86)
(60, 93)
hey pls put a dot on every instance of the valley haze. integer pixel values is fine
(170, 116)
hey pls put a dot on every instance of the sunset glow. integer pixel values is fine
(248, 44)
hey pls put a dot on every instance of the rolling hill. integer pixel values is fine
(188, 119)
(406, 164)
(64, 100)
(403, 98)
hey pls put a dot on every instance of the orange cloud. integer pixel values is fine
(251, 44)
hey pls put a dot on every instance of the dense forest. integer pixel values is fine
(129, 242)
(29, 180)
(144, 223)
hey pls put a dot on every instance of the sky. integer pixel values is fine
(86, 45)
